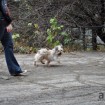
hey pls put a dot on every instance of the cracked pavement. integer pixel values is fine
(78, 80)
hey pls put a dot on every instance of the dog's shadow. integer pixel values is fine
(50, 65)
(53, 65)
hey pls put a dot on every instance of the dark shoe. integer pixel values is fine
(21, 74)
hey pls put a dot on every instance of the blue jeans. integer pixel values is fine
(6, 40)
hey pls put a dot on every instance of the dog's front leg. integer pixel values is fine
(57, 60)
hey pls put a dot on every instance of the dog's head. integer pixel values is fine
(59, 50)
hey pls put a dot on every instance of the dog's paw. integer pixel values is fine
(48, 65)
(35, 64)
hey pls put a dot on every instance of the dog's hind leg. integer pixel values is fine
(42, 62)
(35, 63)
(47, 63)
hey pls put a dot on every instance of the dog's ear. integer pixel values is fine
(61, 45)
(56, 48)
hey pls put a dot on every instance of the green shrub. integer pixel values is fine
(53, 31)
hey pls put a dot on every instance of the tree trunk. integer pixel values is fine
(84, 39)
(94, 42)
(100, 32)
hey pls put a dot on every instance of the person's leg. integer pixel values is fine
(2, 28)
(12, 63)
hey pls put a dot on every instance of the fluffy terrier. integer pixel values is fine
(45, 56)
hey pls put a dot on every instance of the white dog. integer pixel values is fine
(46, 56)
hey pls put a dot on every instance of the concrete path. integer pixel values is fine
(78, 80)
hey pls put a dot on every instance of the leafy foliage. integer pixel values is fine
(53, 32)
(69, 13)
(15, 36)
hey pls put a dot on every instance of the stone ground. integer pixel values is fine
(78, 80)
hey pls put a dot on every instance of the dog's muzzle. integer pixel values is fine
(59, 53)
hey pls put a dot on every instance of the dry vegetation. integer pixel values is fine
(70, 13)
